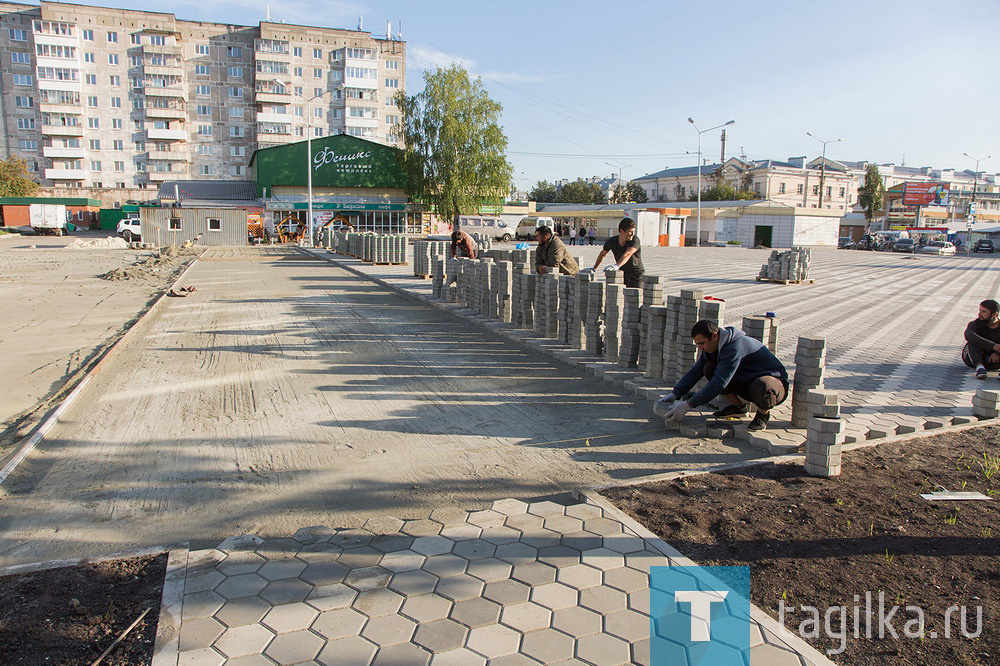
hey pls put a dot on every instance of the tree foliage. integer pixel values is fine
(630, 193)
(15, 180)
(581, 192)
(723, 191)
(454, 148)
(871, 195)
(544, 191)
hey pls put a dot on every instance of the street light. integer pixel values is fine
(697, 233)
(972, 206)
(822, 166)
(627, 166)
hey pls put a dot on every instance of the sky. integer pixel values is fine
(597, 88)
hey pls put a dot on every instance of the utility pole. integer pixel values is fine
(970, 216)
(822, 166)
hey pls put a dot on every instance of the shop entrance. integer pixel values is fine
(762, 235)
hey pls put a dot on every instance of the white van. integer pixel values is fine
(526, 227)
(489, 226)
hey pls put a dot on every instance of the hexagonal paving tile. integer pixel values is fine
(363, 556)
(516, 553)
(314, 534)
(555, 596)
(352, 538)
(563, 524)
(349, 650)
(499, 536)
(474, 549)
(627, 625)
(510, 506)
(368, 578)
(200, 633)
(624, 543)
(251, 660)
(602, 558)
(546, 509)
(459, 657)
(286, 591)
(445, 565)
(421, 528)
(558, 556)
(378, 602)
(389, 629)
(330, 597)
(278, 548)
(641, 655)
(411, 583)
(402, 560)
(280, 569)
(489, 570)
(240, 563)
(291, 617)
(462, 531)
(339, 623)
(507, 592)
(401, 653)
(579, 576)
(449, 515)
(392, 543)
(476, 612)
(294, 647)
(524, 521)
(440, 635)
(494, 641)
(241, 542)
(383, 525)
(526, 617)
(246, 610)
(324, 573)
(602, 526)
(770, 655)
(202, 581)
(603, 649)
(240, 641)
(486, 518)
(516, 659)
(627, 580)
(639, 600)
(548, 646)
(603, 599)
(201, 604)
(202, 657)
(581, 540)
(577, 621)
(540, 538)
(459, 587)
(534, 573)
(644, 560)
(584, 511)
(426, 607)
(432, 545)
(245, 585)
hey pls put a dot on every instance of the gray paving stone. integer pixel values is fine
(602, 526)
(200, 633)
(546, 509)
(563, 524)
(603, 650)
(238, 543)
(403, 654)
(534, 573)
(440, 636)
(389, 630)
(403, 560)
(540, 538)
(368, 578)
(459, 657)
(445, 565)
(510, 506)
(624, 544)
(412, 583)
(770, 655)
(501, 535)
(290, 617)
(547, 646)
(359, 558)
(487, 518)
(245, 585)
(339, 623)
(450, 516)
(281, 568)
(489, 570)
(378, 602)
(524, 521)
(239, 612)
(383, 525)
(432, 545)
(507, 592)
(240, 641)
(294, 647)
(352, 538)
(559, 556)
(579, 576)
(391, 543)
(476, 612)
(474, 549)
(602, 558)
(526, 617)
(461, 531)
(426, 607)
(641, 654)
(330, 597)
(494, 640)
(584, 511)
(459, 587)
(202, 581)
(516, 659)
(314, 534)
(421, 528)
(201, 657)
(581, 540)
(516, 553)
(353, 650)
(628, 625)
(254, 660)
(577, 621)
(555, 596)
(286, 591)
(626, 580)
(324, 573)
(201, 604)
(639, 600)
(319, 553)
(238, 563)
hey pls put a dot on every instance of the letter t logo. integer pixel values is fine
(701, 611)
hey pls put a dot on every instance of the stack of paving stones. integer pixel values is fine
(671, 332)
(487, 302)
(824, 446)
(656, 324)
(685, 351)
(483, 242)
(986, 404)
(451, 286)
(547, 305)
(523, 313)
(438, 270)
(565, 313)
(790, 265)
(652, 295)
(614, 299)
(581, 301)
(594, 327)
(424, 253)
(764, 329)
(810, 361)
(628, 349)
(502, 284)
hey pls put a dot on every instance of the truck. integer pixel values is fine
(48, 218)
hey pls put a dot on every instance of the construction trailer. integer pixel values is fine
(225, 227)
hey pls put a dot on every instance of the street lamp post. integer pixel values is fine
(619, 173)
(822, 166)
(972, 207)
(697, 232)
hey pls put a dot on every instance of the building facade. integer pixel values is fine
(97, 97)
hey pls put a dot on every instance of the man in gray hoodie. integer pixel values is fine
(738, 367)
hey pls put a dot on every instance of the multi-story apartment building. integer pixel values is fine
(97, 97)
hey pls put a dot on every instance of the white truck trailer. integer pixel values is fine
(48, 218)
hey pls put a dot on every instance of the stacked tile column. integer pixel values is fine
(764, 329)
(595, 318)
(628, 351)
(986, 404)
(810, 361)
(656, 323)
(652, 295)
(614, 300)
(824, 446)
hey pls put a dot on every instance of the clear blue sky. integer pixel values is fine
(583, 83)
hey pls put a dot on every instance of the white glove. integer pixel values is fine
(664, 399)
(611, 269)
(587, 271)
(678, 412)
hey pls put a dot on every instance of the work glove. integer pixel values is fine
(586, 271)
(664, 399)
(677, 413)
(611, 269)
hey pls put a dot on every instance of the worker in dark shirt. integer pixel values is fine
(461, 241)
(982, 339)
(552, 255)
(626, 250)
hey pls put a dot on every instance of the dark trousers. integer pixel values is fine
(633, 279)
(973, 356)
(764, 392)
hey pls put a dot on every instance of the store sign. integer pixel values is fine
(358, 162)
(303, 205)
(926, 194)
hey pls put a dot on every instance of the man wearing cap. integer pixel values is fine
(982, 339)
(551, 253)
(461, 241)
(626, 250)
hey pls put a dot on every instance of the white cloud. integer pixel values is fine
(426, 56)
(512, 77)
(334, 14)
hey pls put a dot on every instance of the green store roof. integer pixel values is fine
(65, 201)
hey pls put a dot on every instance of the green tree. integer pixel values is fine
(722, 191)
(630, 193)
(581, 192)
(544, 191)
(454, 148)
(871, 195)
(15, 180)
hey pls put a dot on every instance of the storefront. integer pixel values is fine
(355, 183)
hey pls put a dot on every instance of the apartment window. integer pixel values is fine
(116, 123)
(361, 54)
(299, 131)
(206, 170)
(392, 83)
(781, 188)
(174, 224)
(140, 146)
(317, 73)
(298, 112)
(201, 70)
(95, 165)
(158, 40)
(138, 104)
(93, 123)
(204, 110)
(336, 55)
(842, 192)
(118, 144)
(112, 58)
(318, 53)
(236, 72)
(237, 170)
(235, 92)
(26, 123)
(214, 224)
(27, 144)
(392, 64)
(95, 144)
(20, 58)
(335, 113)
(17, 34)
(139, 125)
(137, 38)
(361, 73)
(88, 57)
(88, 35)
(115, 81)
(201, 49)
(55, 51)
(113, 37)
(116, 102)
(392, 120)
(23, 79)
(800, 188)
(360, 112)
(205, 149)
(119, 166)
(337, 75)
(204, 130)
(298, 71)
(829, 191)
(317, 92)
(236, 111)
(90, 79)
(297, 51)
(74, 164)
(237, 151)
(204, 91)
(135, 61)
(815, 190)
(24, 102)
(237, 132)
(234, 51)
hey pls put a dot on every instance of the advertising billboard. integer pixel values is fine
(926, 194)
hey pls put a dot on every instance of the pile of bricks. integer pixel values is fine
(565, 308)
(595, 318)
(652, 295)
(671, 332)
(614, 299)
(986, 404)
(451, 280)
(439, 272)
(656, 324)
(685, 351)
(820, 402)
(791, 265)
(810, 361)
(579, 296)
(483, 242)
(628, 345)
(523, 296)
(502, 284)
(547, 305)
(824, 446)
(424, 253)
(764, 329)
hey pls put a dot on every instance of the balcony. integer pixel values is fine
(160, 176)
(62, 130)
(162, 49)
(168, 91)
(153, 134)
(174, 113)
(353, 121)
(63, 152)
(54, 84)
(271, 49)
(366, 84)
(65, 174)
(167, 156)
(59, 109)
(60, 40)
(163, 70)
(280, 118)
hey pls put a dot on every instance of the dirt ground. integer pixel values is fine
(819, 542)
(70, 615)
(59, 315)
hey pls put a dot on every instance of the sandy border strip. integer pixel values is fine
(806, 652)
(39, 434)
(168, 626)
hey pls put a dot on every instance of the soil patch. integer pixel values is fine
(168, 261)
(70, 615)
(819, 542)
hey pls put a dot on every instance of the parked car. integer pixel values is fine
(983, 245)
(845, 243)
(129, 229)
(866, 242)
(938, 247)
(904, 245)
(526, 227)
